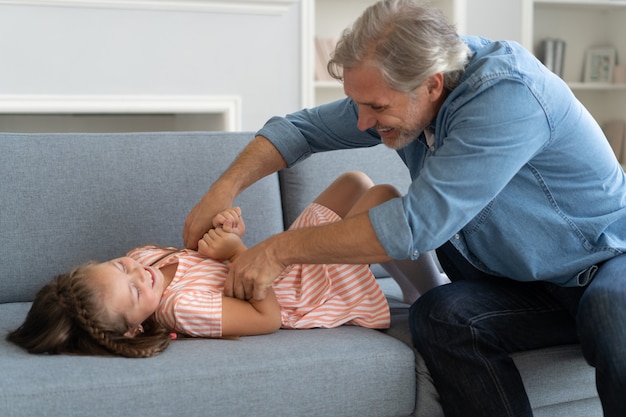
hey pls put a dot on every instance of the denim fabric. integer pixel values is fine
(521, 178)
(466, 330)
(602, 328)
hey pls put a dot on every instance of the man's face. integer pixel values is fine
(397, 117)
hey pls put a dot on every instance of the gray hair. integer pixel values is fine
(407, 40)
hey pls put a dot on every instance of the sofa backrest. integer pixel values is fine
(301, 183)
(69, 198)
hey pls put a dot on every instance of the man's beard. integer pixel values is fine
(404, 138)
(405, 135)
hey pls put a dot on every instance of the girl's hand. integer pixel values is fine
(231, 221)
(220, 244)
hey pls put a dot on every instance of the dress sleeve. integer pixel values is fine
(193, 313)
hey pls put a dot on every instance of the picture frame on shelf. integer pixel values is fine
(599, 65)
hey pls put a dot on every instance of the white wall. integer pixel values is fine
(108, 50)
(495, 19)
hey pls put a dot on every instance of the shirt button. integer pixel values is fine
(457, 236)
(415, 254)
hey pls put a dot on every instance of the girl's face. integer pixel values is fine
(128, 289)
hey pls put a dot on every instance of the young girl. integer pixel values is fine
(131, 306)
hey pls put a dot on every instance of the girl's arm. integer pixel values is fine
(252, 317)
(239, 317)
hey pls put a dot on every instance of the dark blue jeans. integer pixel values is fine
(466, 330)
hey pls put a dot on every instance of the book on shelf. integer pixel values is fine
(324, 47)
(552, 55)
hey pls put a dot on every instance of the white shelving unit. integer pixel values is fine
(582, 25)
(327, 19)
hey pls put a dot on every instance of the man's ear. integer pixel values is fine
(435, 85)
(134, 331)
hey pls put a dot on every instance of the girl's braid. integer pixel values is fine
(91, 318)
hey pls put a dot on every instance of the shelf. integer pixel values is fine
(584, 25)
(328, 84)
(597, 86)
(597, 4)
(572, 85)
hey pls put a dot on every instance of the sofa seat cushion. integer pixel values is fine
(559, 375)
(348, 371)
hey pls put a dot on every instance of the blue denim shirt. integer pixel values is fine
(521, 179)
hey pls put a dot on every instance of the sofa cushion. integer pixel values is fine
(301, 183)
(561, 366)
(347, 371)
(63, 195)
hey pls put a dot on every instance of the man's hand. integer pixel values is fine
(252, 272)
(200, 219)
(258, 159)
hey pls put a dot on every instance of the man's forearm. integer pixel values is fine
(349, 241)
(257, 160)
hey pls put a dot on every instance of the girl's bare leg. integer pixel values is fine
(344, 193)
(353, 193)
(374, 196)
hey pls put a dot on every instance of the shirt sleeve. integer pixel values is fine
(483, 147)
(327, 127)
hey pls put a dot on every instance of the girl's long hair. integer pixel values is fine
(67, 316)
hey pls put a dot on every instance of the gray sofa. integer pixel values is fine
(68, 198)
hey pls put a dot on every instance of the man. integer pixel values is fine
(514, 185)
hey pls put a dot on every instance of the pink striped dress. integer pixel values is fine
(309, 295)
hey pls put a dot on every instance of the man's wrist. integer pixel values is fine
(285, 248)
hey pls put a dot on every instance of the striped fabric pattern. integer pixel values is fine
(309, 295)
(329, 295)
(192, 303)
